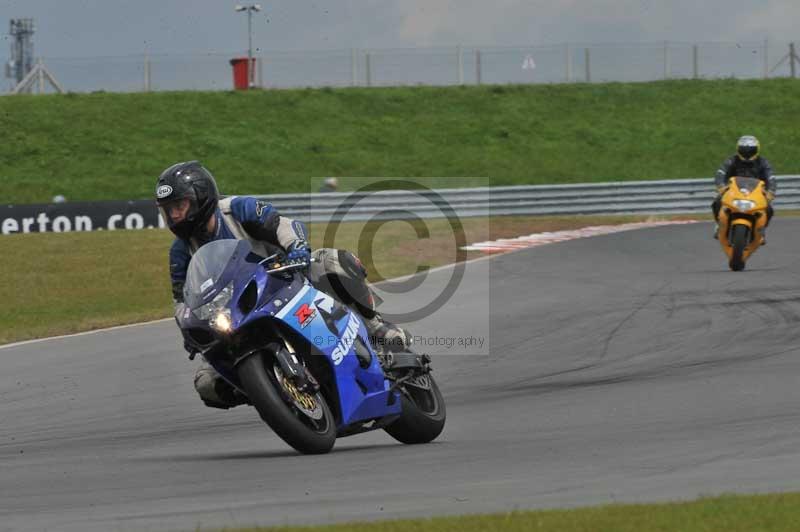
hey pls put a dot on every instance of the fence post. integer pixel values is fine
(354, 66)
(478, 67)
(667, 67)
(460, 65)
(588, 64)
(695, 61)
(369, 69)
(41, 75)
(260, 71)
(792, 59)
(568, 62)
(146, 72)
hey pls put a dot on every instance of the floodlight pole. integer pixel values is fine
(250, 8)
(249, 49)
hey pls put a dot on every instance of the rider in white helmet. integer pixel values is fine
(746, 162)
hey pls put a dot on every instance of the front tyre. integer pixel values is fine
(423, 414)
(740, 235)
(302, 420)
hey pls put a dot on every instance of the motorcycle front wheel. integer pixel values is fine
(302, 420)
(740, 235)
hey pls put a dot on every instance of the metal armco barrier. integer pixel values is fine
(627, 197)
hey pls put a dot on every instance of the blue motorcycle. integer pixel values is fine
(302, 358)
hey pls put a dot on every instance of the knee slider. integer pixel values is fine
(205, 382)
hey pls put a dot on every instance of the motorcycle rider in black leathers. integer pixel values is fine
(188, 199)
(746, 162)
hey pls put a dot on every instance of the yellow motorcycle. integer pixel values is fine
(742, 219)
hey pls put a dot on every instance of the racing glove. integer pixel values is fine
(770, 196)
(299, 252)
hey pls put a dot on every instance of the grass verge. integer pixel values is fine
(728, 513)
(60, 283)
(262, 142)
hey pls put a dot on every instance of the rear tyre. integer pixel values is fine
(740, 235)
(423, 414)
(281, 407)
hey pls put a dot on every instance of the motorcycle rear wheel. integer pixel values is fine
(423, 414)
(276, 408)
(740, 235)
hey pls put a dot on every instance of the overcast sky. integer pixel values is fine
(87, 28)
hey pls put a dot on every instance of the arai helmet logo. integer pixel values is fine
(163, 191)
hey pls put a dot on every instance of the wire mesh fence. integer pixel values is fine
(562, 63)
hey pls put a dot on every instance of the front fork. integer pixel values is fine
(726, 224)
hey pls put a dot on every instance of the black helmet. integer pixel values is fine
(190, 181)
(747, 148)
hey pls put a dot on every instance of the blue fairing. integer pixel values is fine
(330, 327)
(227, 268)
(363, 393)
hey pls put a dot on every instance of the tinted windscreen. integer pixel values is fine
(749, 183)
(208, 265)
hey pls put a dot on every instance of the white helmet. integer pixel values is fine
(747, 148)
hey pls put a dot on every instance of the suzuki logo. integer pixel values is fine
(346, 343)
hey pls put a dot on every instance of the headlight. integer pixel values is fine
(207, 311)
(222, 321)
(743, 204)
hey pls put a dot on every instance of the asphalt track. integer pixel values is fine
(626, 367)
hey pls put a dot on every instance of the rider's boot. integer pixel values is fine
(716, 231)
(215, 391)
(387, 335)
(764, 236)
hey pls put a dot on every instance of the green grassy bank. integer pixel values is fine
(112, 146)
(729, 513)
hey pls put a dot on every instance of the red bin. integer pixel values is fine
(240, 73)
